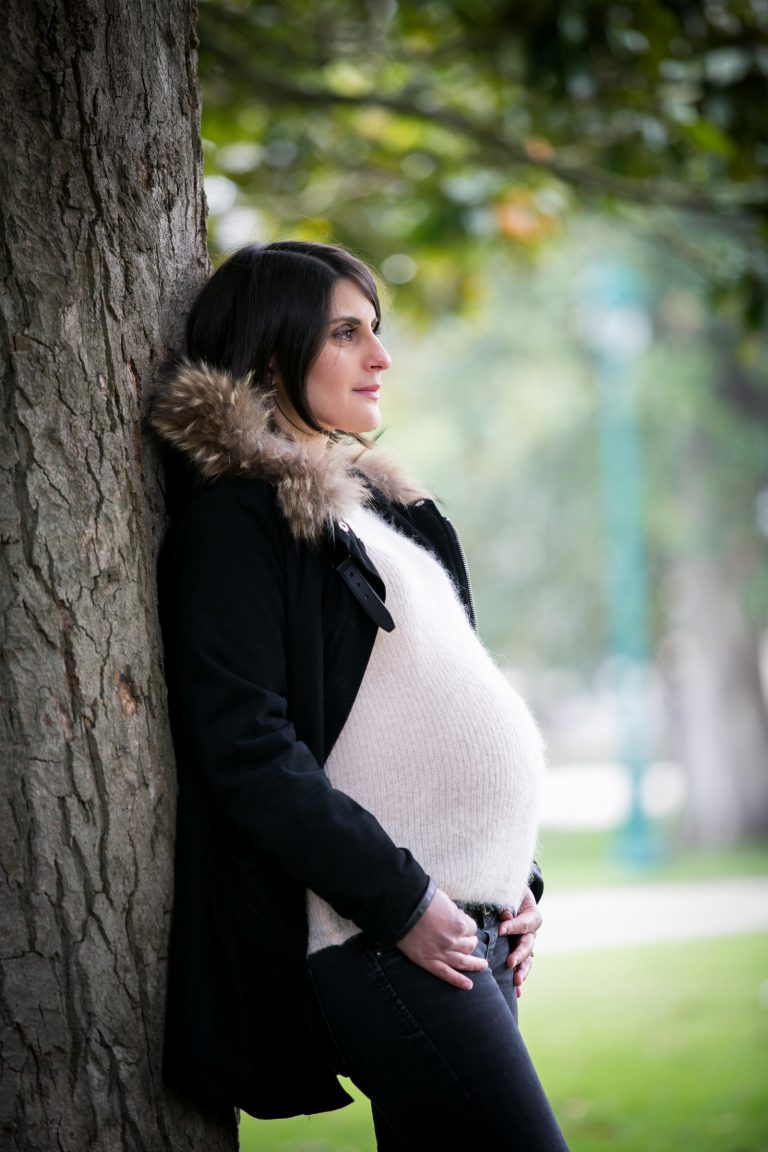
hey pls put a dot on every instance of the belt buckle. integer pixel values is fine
(481, 911)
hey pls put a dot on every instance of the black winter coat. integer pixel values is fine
(270, 607)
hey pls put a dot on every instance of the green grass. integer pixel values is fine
(586, 859)
(652, 1049)
(348, 1130)
(656, 1049)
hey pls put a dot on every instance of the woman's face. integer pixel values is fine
(344, 381)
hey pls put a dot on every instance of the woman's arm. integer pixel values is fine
(227, 666)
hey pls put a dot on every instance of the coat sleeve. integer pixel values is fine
(227, 662)
(536, 882)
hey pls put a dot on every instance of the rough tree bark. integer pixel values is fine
(102, 243)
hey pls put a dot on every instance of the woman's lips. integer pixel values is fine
(372, 392)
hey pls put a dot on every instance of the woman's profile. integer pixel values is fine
(355, 885)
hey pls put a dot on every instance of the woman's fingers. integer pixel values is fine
(452, 967)
(522, 970)
(450, 975)
(521, 973)
(521, 959)
(524, 925)
(466, 963)
(522, 951)
(443, 942)
(527, 920)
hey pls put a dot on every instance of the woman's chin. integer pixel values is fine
(362, 424)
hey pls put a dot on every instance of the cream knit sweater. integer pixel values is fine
(438, 746)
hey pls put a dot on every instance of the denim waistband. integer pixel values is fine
(480, 912)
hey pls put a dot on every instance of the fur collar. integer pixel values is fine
(227, 428)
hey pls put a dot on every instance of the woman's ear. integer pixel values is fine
(273, 379)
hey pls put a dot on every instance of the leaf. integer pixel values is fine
(709, 138)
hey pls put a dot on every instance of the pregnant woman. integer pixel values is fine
(355, 886)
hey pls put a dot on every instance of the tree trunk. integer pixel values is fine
(718, 710)
(103, 243)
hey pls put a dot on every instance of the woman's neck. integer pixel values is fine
(291, 423)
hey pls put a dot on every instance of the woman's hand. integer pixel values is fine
(525, 925)
(442, 942)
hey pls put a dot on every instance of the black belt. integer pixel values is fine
(480, 911)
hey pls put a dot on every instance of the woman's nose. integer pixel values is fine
(380, 359)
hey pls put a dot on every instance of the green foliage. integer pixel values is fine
(441, 131)
(451, 143)
(497, 411)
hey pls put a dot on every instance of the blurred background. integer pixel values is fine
(568, 207)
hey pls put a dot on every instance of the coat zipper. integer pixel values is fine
(462, 553)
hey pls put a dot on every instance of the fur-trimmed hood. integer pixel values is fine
(227, 428)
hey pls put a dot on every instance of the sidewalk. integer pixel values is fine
(625, 916)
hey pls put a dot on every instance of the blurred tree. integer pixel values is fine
(434, 136)
(707, 416)
(498, 410)
(427, 134)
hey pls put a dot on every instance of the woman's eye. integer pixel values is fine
(345, 333)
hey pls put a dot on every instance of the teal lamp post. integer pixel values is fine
(616, 331)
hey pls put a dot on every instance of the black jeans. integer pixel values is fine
(440, 1065)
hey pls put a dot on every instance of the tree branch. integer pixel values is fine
(730, 199)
